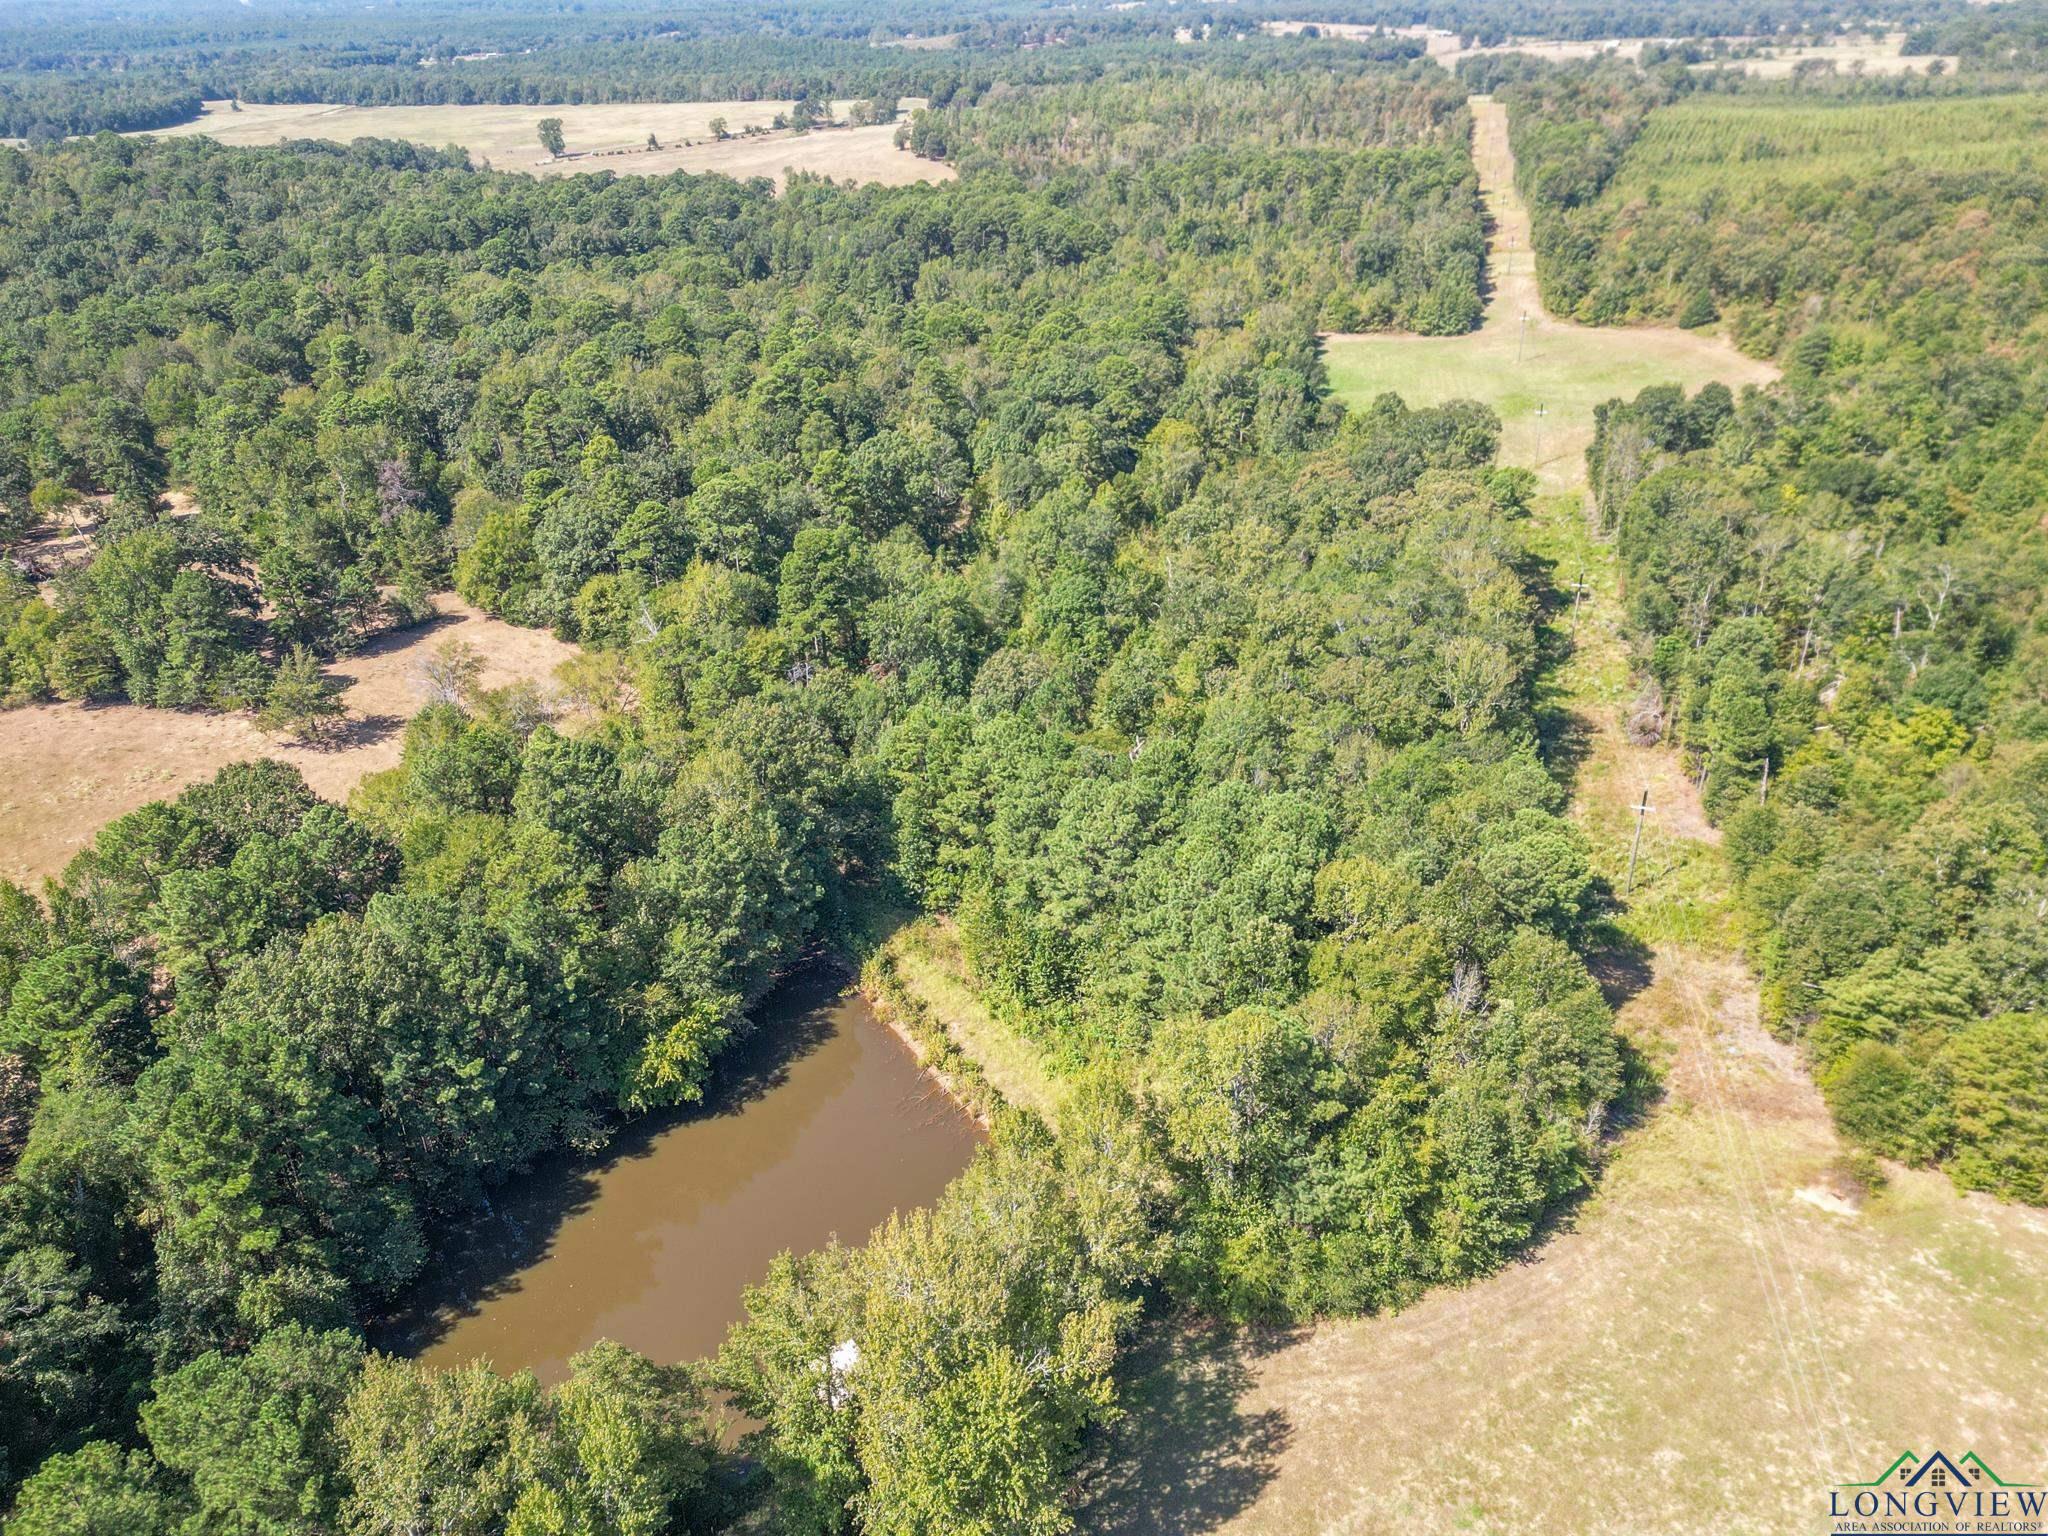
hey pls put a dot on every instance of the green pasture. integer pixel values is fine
(1741, 144)
(1561, 370)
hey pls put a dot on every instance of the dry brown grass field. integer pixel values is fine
(66, 770)
(1852, 54)
(1447, 48)
(507, 137)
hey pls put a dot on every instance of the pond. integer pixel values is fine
(820, 1124)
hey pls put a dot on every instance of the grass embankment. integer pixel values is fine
(915, 977)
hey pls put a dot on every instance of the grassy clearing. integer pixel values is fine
(920, 961)
(1542, 376)
(66, 770)
(607, 137)
(1726, 144)
(1682, 893)
(1543, 388)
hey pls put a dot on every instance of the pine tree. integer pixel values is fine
(302, 702)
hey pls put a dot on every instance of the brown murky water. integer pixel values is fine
(820, 1125)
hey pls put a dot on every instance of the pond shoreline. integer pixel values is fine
(819, 1123)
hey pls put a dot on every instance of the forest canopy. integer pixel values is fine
(992, 550)
(989, 547)
(1836, 589)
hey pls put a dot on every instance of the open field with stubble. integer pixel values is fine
(1856, 53)
(507, 137)
(66, 770)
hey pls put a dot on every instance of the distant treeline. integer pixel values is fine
(54, 107)
(155, 95)
(61, 74)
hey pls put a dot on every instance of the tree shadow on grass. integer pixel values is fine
(1621, 964)
(347, 735)
(1185, 1457)
(1623, 967)
(1564, 737)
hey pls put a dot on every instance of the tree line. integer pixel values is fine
(991, 546)
(1834, 586)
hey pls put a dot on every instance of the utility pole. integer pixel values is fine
(1579, 589)
(1521, 338)
(1635, 847)
(1541, 412)
(1763, 790)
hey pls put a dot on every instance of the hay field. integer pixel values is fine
(611, 136)
(1447, 48)
(1850, 54)
(66, 770)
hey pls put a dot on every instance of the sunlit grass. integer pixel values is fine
(1543, 385)
(1702, 144)
(928, 963)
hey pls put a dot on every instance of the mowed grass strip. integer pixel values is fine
(1544, 387)
(1741, 145)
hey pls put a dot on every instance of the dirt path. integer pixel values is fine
(1510, 255)
(66, 770)
(1722, 1331)
(1542, 374)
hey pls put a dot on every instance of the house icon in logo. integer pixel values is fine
(1937, 1471)
(1938, 1492)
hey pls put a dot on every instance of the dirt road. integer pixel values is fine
(1720, 1331)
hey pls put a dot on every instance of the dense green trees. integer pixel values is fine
(989, 1322)
(991, 544)
(1835, 585)
(1220, 165)
(470, 378)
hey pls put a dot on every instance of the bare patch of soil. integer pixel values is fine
(66, 770)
